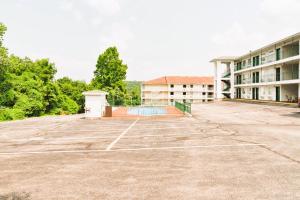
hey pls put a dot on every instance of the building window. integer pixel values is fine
(255, 77)
(238, 66)
(278, 54)
(255, 61)
(184, 101)
(191, 86)
(184, 86)
(184, 93)
(203, 93)
(171, 93)
(238, 79)
(172, 100)
(172, 86)
(244, 63)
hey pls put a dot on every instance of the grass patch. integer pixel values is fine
(16, 196)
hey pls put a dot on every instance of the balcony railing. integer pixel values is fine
(226, 74)
(288, 51)
(268, 78)
(246, 81)
(289, 76)
(284, 76)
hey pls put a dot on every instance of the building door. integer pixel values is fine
(277, 74)
(277, 93)
(238, 93)
(278, 54)
(257, 77)
(253, 93)
(257, 93)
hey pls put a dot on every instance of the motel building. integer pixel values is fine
(186, 89)
(270, 73)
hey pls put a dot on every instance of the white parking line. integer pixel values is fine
(123, 133)
(189, 147)
(98, 137)
(133, 149)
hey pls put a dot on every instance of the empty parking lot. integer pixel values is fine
(225, 151)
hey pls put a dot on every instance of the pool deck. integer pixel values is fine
(171, 111)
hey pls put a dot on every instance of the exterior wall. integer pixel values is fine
(289, 93)
(267, 93)
(168, 94)
(152, 88)
(155, 102)
(95, 106)
(283, 56)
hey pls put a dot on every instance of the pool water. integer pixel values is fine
(147, 111)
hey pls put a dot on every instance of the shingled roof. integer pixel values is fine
(165, 80)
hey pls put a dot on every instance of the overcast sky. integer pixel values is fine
(154, 37)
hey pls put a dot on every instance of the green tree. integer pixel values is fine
(3, 54)
(133, 93)
(110, 74)
(74, 90)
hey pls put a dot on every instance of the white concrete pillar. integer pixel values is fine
(299, 94)
(232, 80)
(218, 82)
(299, 79)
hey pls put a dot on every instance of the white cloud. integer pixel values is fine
(280, 16)
(275, 19)
(104, 7)
(118, 35)
(281, 8)
(236, 35)
(98, 10)
(20, 3)
(69, 6)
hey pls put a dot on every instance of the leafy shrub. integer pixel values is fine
(69, 105)
(11, 114)
(16, 196)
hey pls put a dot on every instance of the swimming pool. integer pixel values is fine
(146, 111)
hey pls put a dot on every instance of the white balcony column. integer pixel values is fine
(218, 82)
(231, 79)
(299, 83)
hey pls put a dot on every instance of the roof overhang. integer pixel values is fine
(95, 93)
(224, 59)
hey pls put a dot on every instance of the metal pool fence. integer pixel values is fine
(184, 107)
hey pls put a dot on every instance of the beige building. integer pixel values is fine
(168, 89)
(270, 73)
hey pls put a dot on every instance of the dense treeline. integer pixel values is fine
(28, 88)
